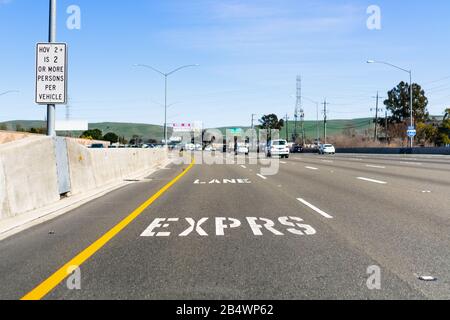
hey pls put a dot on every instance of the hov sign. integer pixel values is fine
(51, 73)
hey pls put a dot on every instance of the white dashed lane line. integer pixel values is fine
(376, 167)
(312, 168)
(244, 167)
(371, 180)
(261, 176)
(412, 163)
(309, 205)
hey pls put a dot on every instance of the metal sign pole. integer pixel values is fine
(51, 109)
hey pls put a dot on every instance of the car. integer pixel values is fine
(97, 146)
(198, 147)
(243, 149)
(210, 148)
(297, 148)
(278, 148)
(327, 149)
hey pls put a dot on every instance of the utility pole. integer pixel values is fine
(51, 109)
(377, 109)
(325, 119)
(386, 126)
(317, 124)
(287, 128)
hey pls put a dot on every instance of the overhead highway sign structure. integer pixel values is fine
(51, 73)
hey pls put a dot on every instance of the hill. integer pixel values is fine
(334, 127)
(127, 130)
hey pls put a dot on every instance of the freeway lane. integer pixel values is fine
(340, 227)
(238, 265)
(396, 223)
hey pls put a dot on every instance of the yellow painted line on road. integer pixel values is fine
(54, 280)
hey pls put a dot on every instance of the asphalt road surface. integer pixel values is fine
(323, 227)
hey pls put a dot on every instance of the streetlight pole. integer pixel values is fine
(411, 93)
(166, 76)
(51, 108)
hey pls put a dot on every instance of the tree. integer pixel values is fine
(444, 130)
(398, 103)
(38, 130)
(270, 122)
(136, 140)
(111, 137)
(123, 140)
(3, 127)
(427, 133)
(95, 134)
(19, 128)
(152, 141)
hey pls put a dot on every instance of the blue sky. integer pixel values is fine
(250, 53)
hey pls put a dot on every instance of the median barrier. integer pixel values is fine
(29, 173)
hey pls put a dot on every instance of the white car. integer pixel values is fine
(327, 149)
(190, 147)
(210, 149)
(278, 148)
(243, 150)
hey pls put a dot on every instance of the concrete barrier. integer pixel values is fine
(93, 168)
(418, 151)
(28, 174)
(28, 178)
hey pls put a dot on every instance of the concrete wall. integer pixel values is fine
(11, 136)
(93, 168)
(28, 175)
(430, 151)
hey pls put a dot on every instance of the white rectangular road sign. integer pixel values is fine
(51, 73)
(72, 125)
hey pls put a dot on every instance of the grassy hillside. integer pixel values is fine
(334, 127)
(128, 130)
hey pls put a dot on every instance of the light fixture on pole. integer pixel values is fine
(166, 76)
(8, 92)
(411, 144)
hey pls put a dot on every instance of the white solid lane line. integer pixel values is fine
(261, 176)
(376, 167)
(371, 180)
(311, 168)
(309, 205)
